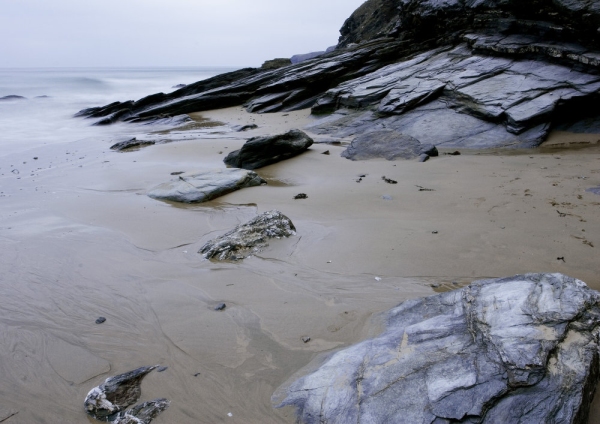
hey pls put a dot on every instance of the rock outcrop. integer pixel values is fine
(130, 144)
(249, 238)
(387, 144)
(486, 73)
(107, 402)
(514, 350)
(197, 187)
(262, 151)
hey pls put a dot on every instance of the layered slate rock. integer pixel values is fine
(107, 402)
(486, 73)
(388, 144)
(197, 187)
(266, 150)
(249, 238)
(515, 350)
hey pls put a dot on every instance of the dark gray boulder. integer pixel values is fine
(249, 238)
(197, 187)
(515, 350)
(388, 144)
(107, 402)
(262, 151)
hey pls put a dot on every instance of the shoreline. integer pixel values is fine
(86, 241)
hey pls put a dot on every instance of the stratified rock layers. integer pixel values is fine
(514, 350)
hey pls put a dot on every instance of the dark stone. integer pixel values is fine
(108, 401)
(100, 320)
(423, 157)
(247, 127)
(306, 339)
(388, 180)
(514, 350)
(131, 144)
(249, 238)
(386, 144)
(301, 196)
(262, 151)
(454, 153)
(220, 307)
(12, 97)
(326, 152)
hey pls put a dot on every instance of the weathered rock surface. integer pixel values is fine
(107, 402)
(249, 238)
(388, 144)
(131, 144)
(276, 63)
(262, 151)
(486, 73)
(197, 187)
(515, 350)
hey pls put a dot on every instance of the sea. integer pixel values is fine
(53, 95)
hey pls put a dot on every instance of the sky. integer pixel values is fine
(132, 33)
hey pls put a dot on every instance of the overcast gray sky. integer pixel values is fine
(165, 32)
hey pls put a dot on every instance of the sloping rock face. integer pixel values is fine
(249, 238)
(514, 350)
(490, 73)
(387, 144)
(203, 186)
(262, 151)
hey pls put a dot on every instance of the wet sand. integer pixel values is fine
(80, 239)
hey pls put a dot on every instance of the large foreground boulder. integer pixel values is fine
(249, 238)
(107, 402)
(388, 144)
(203, 186)
(513, 350)
(262, 151)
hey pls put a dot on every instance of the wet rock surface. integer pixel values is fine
(519, 349)
(388, 144)
(480, 74)
(249, 238)
(197, 187)
(107, 402)
(131, 144)
(262, 151)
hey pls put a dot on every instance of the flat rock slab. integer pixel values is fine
(387, 144)
(249, 238)
(515, 350)
(262, 151)
(206, 185)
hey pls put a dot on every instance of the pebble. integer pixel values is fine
(161, 369)
(301, 196)
(326, 152)
(220, 307)
(100, 320)
(306, 339)
(434, 232)
(386, 197)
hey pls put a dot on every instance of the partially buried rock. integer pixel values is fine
(515, 350)
(301, 196)
(388, 144)
(249, 238)
(108, 401)
(242, 128)
(130, 144)
(262, 151)
(206, 185)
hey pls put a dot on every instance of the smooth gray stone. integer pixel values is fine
(388, 144)
(107, 402)
(266, 150)
(249, 238)
(203, 186)
(522, 349)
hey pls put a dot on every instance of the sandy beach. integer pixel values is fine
(80, 239)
